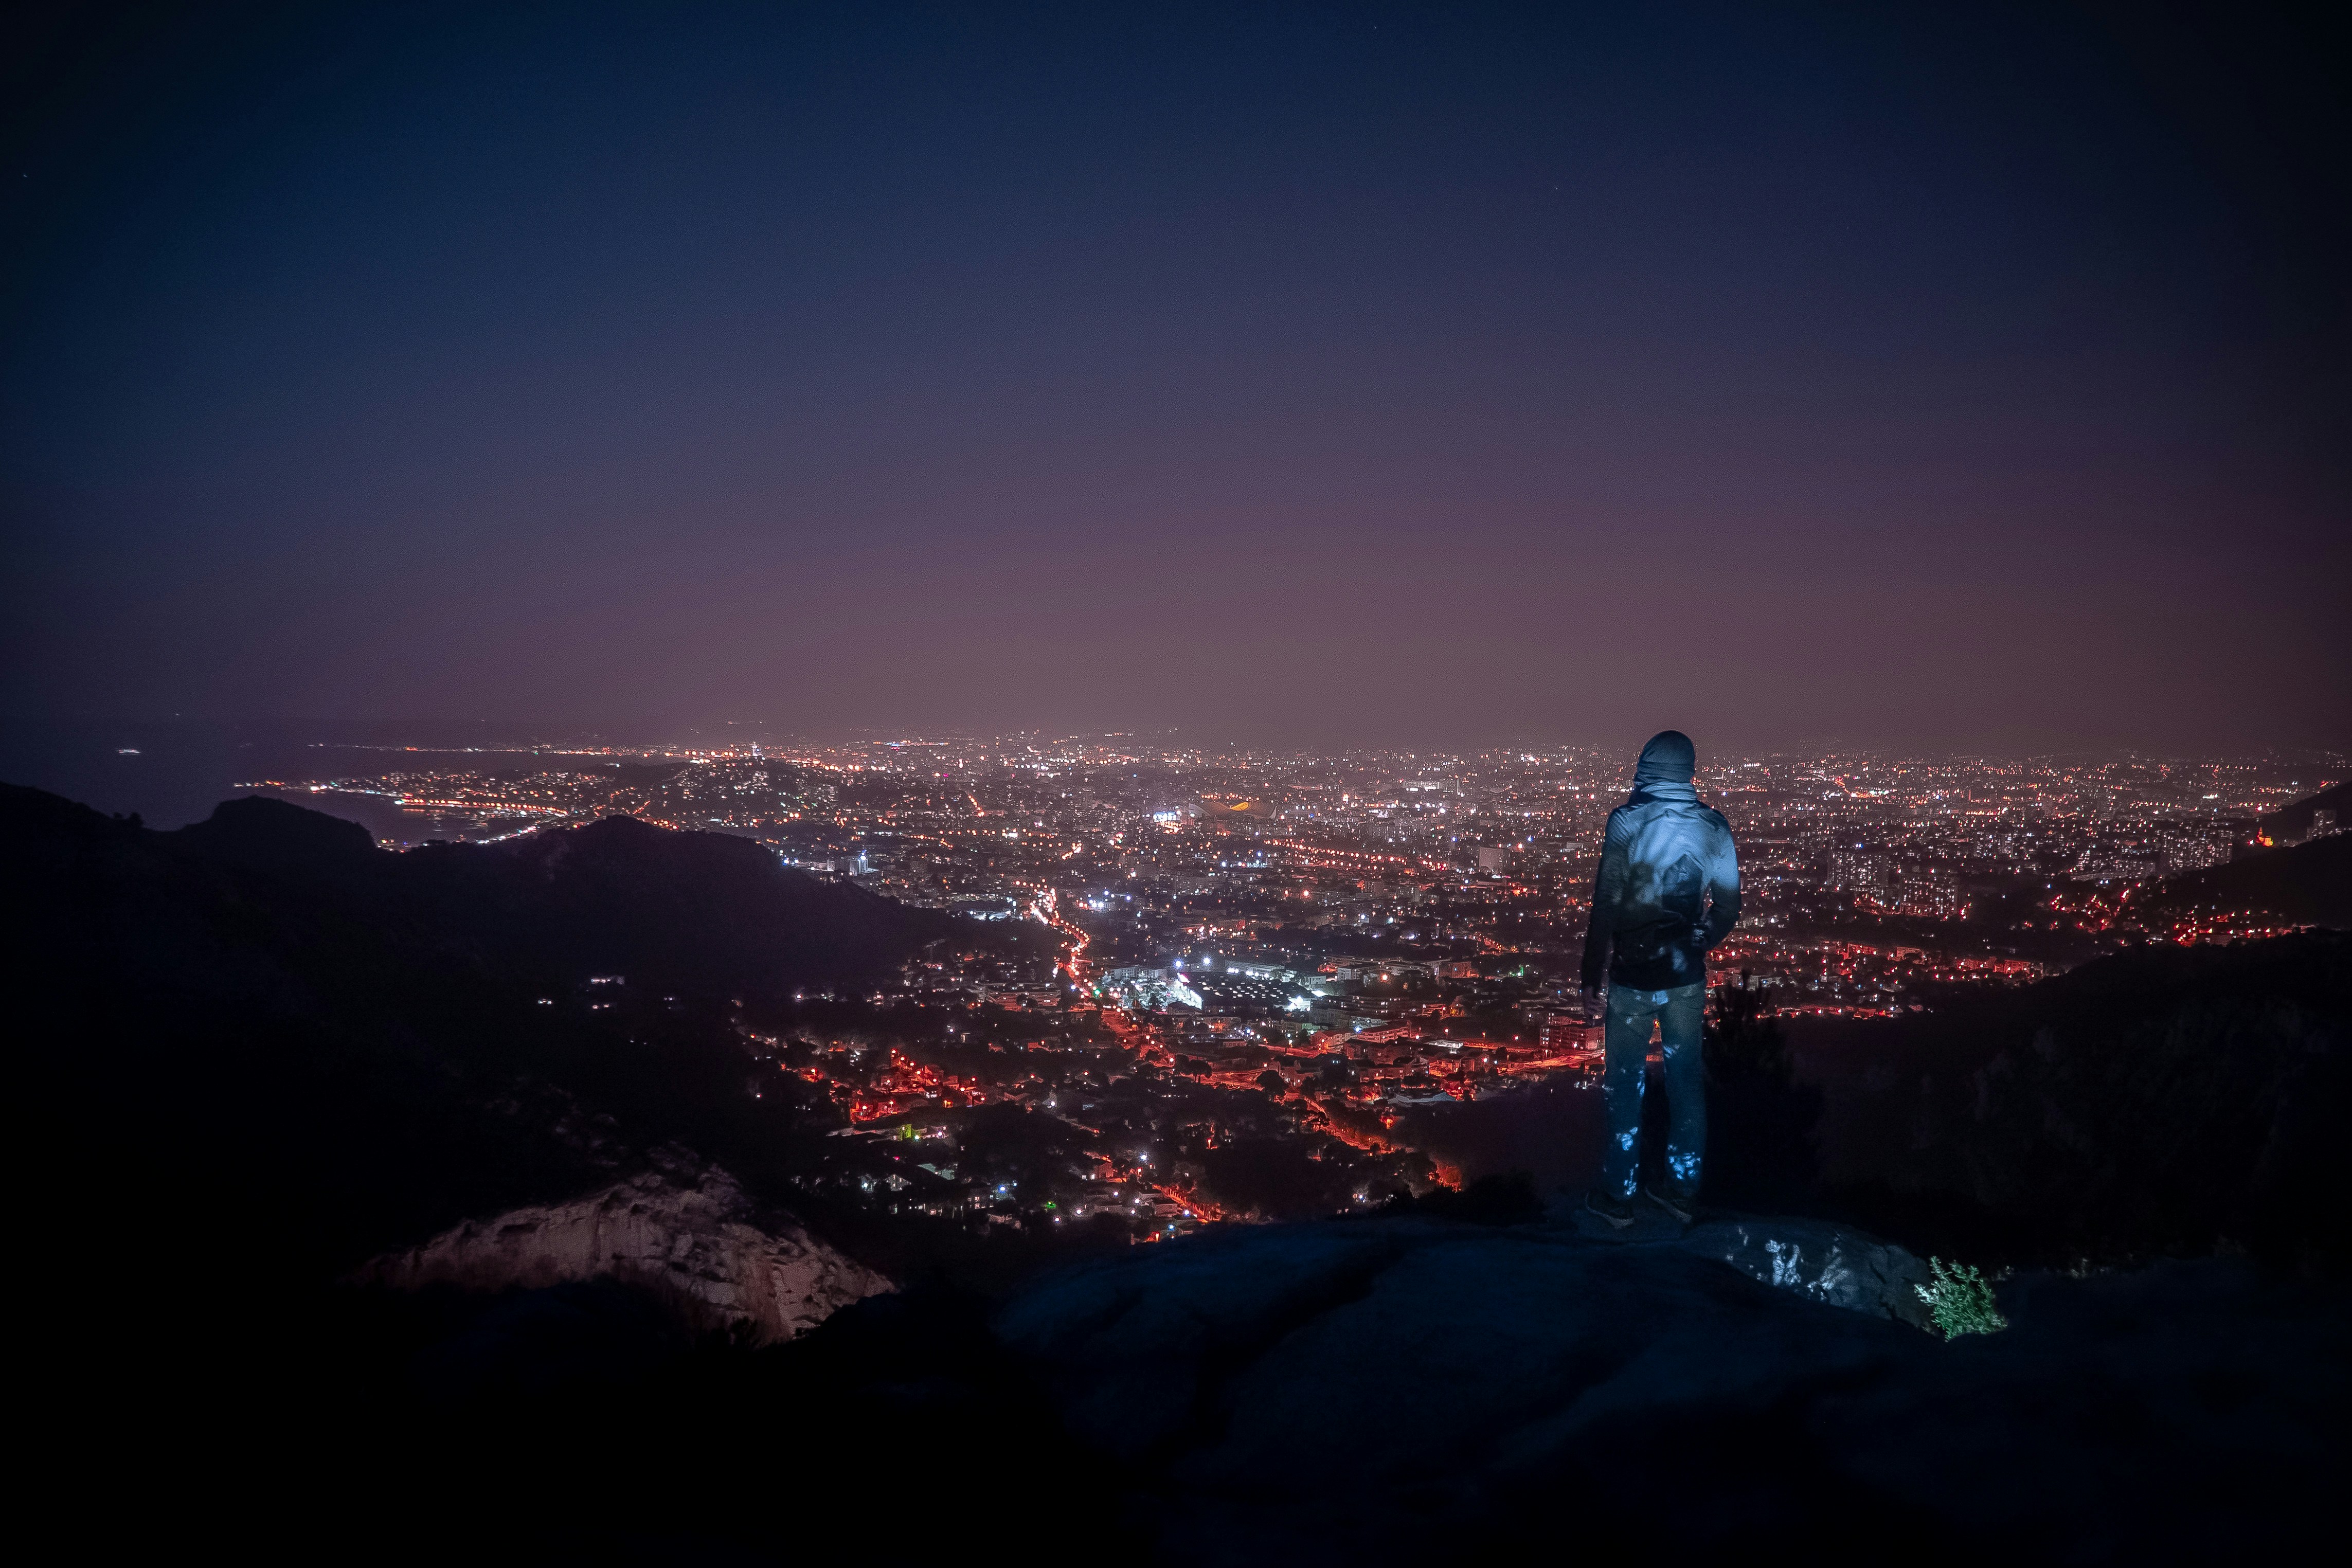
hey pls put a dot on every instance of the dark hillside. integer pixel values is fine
(676, 912)
(697, 911)
(272, 1050)
(2291, 824)
(2166, 1100)
(273, 835)
(2308, 884)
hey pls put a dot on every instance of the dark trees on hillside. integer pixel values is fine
(2164, 1100)
(1760, 1121)
(2212, 1117)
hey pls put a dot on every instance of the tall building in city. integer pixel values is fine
(1860, 872)
(1564, 1032)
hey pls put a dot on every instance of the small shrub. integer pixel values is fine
(1960, 1300)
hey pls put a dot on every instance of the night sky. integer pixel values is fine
(1941, 379)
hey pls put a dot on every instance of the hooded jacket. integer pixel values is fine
(1667, 890)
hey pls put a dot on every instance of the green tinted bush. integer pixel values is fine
(1960, 1300)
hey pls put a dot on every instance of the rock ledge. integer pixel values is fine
(691, 1233)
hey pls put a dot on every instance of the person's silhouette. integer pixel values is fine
(1666, 892)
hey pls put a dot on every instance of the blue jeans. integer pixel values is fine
(1626, 1041)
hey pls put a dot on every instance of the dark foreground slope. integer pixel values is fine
(1363, 1393)
(1405, 1393)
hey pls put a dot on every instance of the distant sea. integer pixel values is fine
(173, 772)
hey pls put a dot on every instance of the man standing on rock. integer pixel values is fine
(1666, 892)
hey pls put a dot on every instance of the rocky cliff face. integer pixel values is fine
(691, 1234)
(1833, 1264)
(1402, 1391)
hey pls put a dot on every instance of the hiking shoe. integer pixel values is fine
(1614, 1211)
(1683, 1209)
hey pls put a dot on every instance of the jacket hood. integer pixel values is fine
(1669, 758)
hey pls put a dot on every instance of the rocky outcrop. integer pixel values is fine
(1402, 1391)
(1833, 1264)
(690, 1234)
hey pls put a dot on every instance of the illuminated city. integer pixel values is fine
(1252, 984)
